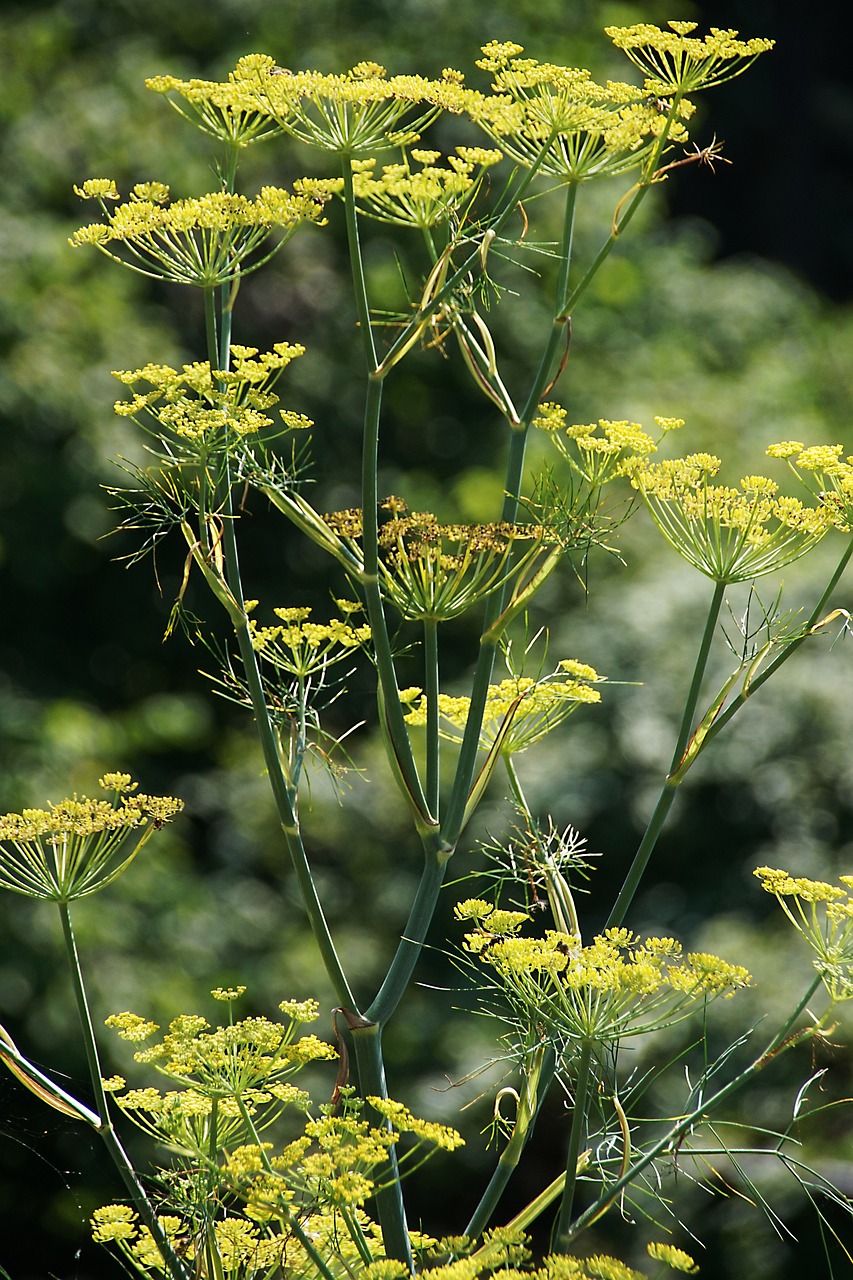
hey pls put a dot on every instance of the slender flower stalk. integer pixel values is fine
(231, 595)
(668, 791)
(788, 650)
(398, 737)
(577, 1139)
(457, 805)
(143, 1206)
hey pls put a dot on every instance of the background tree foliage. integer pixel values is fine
(721, 315)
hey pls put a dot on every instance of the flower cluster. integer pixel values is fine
(677, 62)
(205, 241)
(600, 451)
(425, 197)
(827, 474)
(306, 1195)
(303, 648)
(80, 845)
(223, 1062)
(823, 914)
(235, 1079)
(362, 112)
(243, 1249)
(560, 119)
(617, 986)
(222, 109)
(519, 711)
(729, 534)
(198, 406)
(435, 571)
(246, 1250)
(336, 1163)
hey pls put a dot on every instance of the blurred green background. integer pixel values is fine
(728, 306)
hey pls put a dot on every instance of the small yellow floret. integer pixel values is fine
(677, 1259)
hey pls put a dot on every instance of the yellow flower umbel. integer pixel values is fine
(729, 534)
(241, 1249)
(823, 914)
(222, 109)
(677, 62)
(223, 1062)
(206, 241)
(198, 409)
(675, 1259)
(587, 130)
(305, 649)
(617, 986)
(821, 468)
(425, 197)
(244, 1201)
(432, 571)
(362, 112)
(520, 711)
(598, 452)
(81, 845)
(236, 1078)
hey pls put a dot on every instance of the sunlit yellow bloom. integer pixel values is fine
(520, 711)
(206, 241)
(363, 111)
(199, 409)
(300, 1010)
(616, 986)
(600, 451)
(473, 909)
(113, 1222)
(221, 109)
(674, 1258)
(424, 197)
(823, 470)
(224, 1061)
(439, 1135)
(731, 535)
(677, 62)
(303, 648)
(563, 121)
(80, 845)
(823, 914)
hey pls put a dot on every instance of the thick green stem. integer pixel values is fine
(436, 858)
(675, 1133)
(105, 1129)
(667, 794)
(577, 1137)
